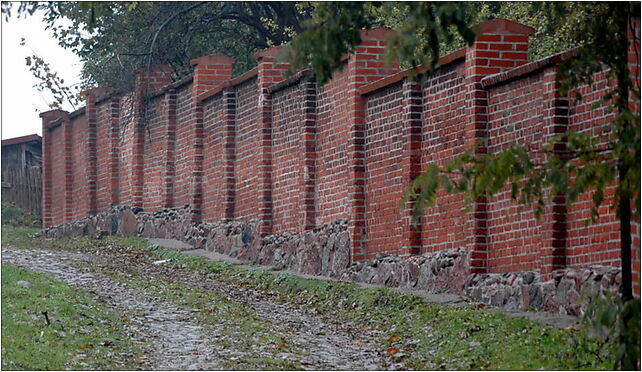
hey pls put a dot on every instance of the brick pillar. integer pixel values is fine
(270, 72)
(229, 125)
(148, 79)
(500, 45)
(47, 193)
(308, 154)
(412, 108)
(209, 72)
(169, 148)
(555, 123)
(365, 66)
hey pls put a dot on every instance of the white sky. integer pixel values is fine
(21, 102)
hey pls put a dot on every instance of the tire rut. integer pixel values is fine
(181, 342)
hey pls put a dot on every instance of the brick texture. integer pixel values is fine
(293, 156)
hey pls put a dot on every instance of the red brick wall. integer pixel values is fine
(184, 147)
(599, 242)
(155, 154)
(294, 156)
(79, 194)
(515, 117)
(126, 146)
(332, 169)
(248, 155)
(446, 225)
(103, 171)
(287, 147)
(384, 151)
(214, 141)
(57, 167)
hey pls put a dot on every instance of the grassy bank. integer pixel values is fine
(81, 334)
(421, 334)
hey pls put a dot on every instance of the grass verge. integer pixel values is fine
(12, 215)
(421, 334)
(81, 334)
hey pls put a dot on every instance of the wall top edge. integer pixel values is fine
(529, 68)
(231, 83)
(448, 59)
(292, 80)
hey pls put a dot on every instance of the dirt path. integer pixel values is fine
(175, 340)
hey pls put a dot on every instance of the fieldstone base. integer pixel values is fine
(326, 251)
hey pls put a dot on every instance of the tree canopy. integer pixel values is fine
(113, 39)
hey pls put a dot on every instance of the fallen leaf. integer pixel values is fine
(394, 338)
(392, 351)
(87, 346)
(358, 342)
(207, 310)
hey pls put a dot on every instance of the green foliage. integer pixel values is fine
(428, 30)
(616, 325)
(14, 216)
(333, 33)
(82, 334)
(115, 38)
(555, 23)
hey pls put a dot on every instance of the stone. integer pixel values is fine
(26, 284)
(327, 250)
(525, 292)
(535, 298)
(528, 277)
(246, 237)
(573, 305)
(128, 225)
(563, 288)
(552, 306)
(499, 297)
(100, 234)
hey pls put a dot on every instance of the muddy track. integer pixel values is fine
(175, 339)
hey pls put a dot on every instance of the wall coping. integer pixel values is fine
(75, 114)
(529, 68)
(292, 80)
(502, 26)
(231, 83)
(401, 75)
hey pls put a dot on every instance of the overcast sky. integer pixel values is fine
(21, 103)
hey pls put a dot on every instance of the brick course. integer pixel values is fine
(291, 156)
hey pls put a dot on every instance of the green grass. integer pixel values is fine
(14, 216)
(421, 334)
(82, 334)
(428, 336)
(242, 329)
(20, 236)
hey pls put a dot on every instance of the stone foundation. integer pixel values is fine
(326, 251)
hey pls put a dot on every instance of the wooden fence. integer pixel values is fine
(22, 187)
